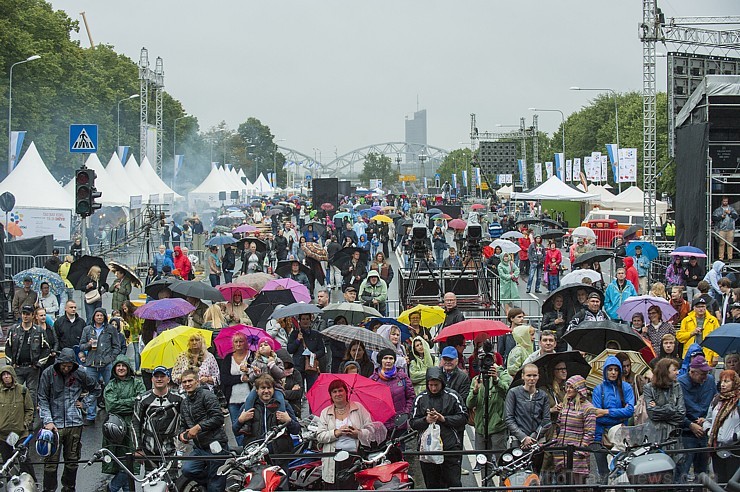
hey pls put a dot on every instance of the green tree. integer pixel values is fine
(259, 150)
(377, 166)
(454, 163)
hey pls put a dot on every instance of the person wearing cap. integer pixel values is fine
(536, 255)
(156, 417)
(734, 316)
(591, 312)
(618, 291)
(577, 425)
(443, 406)
(27, 349)
(397, 381)
(24, 296)
(699, 388)
(696, 326)
(455, 378)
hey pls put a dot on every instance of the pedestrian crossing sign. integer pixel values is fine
(83, 139)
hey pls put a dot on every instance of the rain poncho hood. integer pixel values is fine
(66, 355)
(436, 373)
(717, 267)
(10, 370)
(694, 349)
(522, 337)
(124, 360)
(611, 361)
(629, 262)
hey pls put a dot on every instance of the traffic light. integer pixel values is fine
(85, 192)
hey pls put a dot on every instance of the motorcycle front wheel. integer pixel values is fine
(187, 484)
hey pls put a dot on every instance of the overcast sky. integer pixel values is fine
(343, 74)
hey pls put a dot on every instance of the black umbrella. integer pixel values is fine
(631, 232)
(154, 288)
(199, 290)
(226, 221)
(406, 222)
(593, 336)
(570, 297)
(320, 229)
(362, 206)
(80, 267)
(535, 220)
(598, 256)
(274, 211)
(393, 215)
(573, 359)
(264, 303)
(246, 241)
(295, 309)
(552, 234)
(345, 254)
(284, 267)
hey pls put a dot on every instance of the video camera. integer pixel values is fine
(486, 358)
(473, 235)
(419, 237)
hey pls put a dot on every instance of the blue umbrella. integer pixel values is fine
(39, 275)
(342, 215)
(369, 213)
(405, 332)
(648, 249)
(688, 251)
(221, 240)
(724, 340)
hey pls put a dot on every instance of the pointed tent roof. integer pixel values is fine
(134, 174)
(241, 174)
(229, 178)
(116, 171)
(235, 178)
(113, 195)
(214, 183)
(46, 191)
(155, 182)
(633, 198)
(554, 189)
(262, 184)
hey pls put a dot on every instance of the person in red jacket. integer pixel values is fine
(182, 263)
(629, 265)
(524, 243)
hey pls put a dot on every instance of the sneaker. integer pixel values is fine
(89, 421)
(464, 472)
(477, 468)
(538, 292)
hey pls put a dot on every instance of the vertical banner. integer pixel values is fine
(425, 182)
(16, 144)
(178, 164)
(560, 165)
(612, 152)
(522, 172)
(454, 180)
(569, 170)
(576, 169)
(588, 169)
(476, 171)
(548, 169)
(465, 178)
(123, 152)
(509, 179)
(596, 164)
(538, 172)
(604, 166)
(628, 165)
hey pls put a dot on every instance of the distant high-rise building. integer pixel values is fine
(416, 137)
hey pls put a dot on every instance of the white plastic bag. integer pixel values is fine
(431, 440)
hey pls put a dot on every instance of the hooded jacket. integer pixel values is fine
(120, 395)
(109, 343)
(615, 296)
(402, 392)
(16, 407)
(688, 325)
(606, 396)
(418, 365)
(521, 350)
(58, 392)
(713, 276)
(378, 292)
(169, 259)
(449, 404)
(631, 272)
(182, 263)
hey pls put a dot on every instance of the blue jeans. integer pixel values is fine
(535, 270)
(215, 279)
(553, 282)
(90, 309)
(119, 482)
(234, 410)
(91, 401)
(199, 470)
(699, 460)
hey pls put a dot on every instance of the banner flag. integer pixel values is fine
(425, 182)
(123, 151)
(569, 170)
(596, 164)
(559, 165)
(178, 164)
(612, 152)
(16, 145)
(628, 165)
(454, 180)
(576, 169)
(548, 169)
(465, 178)
(604, 166)
(538, 172)
(477, 176)
(588, 169)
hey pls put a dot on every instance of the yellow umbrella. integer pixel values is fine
(430, 315)
(595, 377)
(164, 349)
(383, 218)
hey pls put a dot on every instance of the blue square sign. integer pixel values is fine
(83, 139)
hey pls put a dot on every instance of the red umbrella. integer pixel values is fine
(253, 335)
(374, 396)
(327, 206)
(470, 328)
(477, 206)
(457, 224)
(228, 290)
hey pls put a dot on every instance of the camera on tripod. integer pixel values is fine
(486, 358)
(419, 237)
(474, 236)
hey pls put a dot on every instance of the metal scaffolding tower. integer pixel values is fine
(158, 91)
(144, 76)
(677, 31)
(155, 79)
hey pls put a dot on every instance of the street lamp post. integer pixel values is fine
(616, 122)
(10, 108)
(174, 146)
(274, 159)
(562, 116)
(118, 119)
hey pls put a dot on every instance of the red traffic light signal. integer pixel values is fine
(85, 192)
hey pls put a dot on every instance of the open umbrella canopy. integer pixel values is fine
(591, 257)
(295, 309)
(284, 268)
(374, 396)
(254, 280)
(648, 249)
(221, 240)
(127, 271)
(724, 340)
(264, 303)
(245, 228)
(641, 304)
(477, 206)
(343, 215)
(441, 217)
(593, 336)
(354, 312)
(38, 276)
(383, 218)
(577, 276)
(228, 290)
(536, 220)
(197, 289)
(362, 206)
(471, 328)
(552, 234)
(315, 251)
(596, 374)
(405, 330)
(253, 334)
(511, 235)
(154, 288)
(434, 211)
(260, 245)
(300, 292)
(318, 228)
(80, 267)
(349, 333)
(368, 213)
(574, 363)
(688, 251)
(274, 211)
(457, 224)
(583, 232)
(327, 206)
(631, 232)
(430, 315)
(506, 246)
(164, 309)
(165, 347)
(345, 254)
(570, 297)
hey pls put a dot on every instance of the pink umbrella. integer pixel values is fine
(228, 290)
(457, 224)
(253, 335)
(477, 206)
(374, 396)
(300, 292)
(245, 228)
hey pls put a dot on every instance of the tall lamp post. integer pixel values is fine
(562, 116)
(616, 120)
(274, 159)
(118, 118)
(10, 109)
(174, 146)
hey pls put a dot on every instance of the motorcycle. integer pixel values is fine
(639, 458)
(514, 467)
(17, 482)
(252, 471)
(305, 473)
(156, 480)
(382, 470)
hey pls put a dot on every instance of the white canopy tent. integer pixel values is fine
(210, 187)
(554, 189)
(262, 185)
(112, 194)
(633, 199)
(155, 182)
(134, 174)
(241, 174)
(602, 192)
(33, 185)
(116, 171)
(505, 192)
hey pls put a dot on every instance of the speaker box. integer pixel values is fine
(222, 196)
(345, 188)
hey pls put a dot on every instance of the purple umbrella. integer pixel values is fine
(377, 208)
(165, 309)
(641, 304)
(244, 228)
(300, 292)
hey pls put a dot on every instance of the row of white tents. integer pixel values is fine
(228, 180)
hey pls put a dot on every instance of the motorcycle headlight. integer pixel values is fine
(507, 458)
(517, 452)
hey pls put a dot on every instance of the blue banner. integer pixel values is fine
(465, 178)
(16, 144)
(123, 153)
(613, 152)
(454, 181)
(559, 165)
(178, 164)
